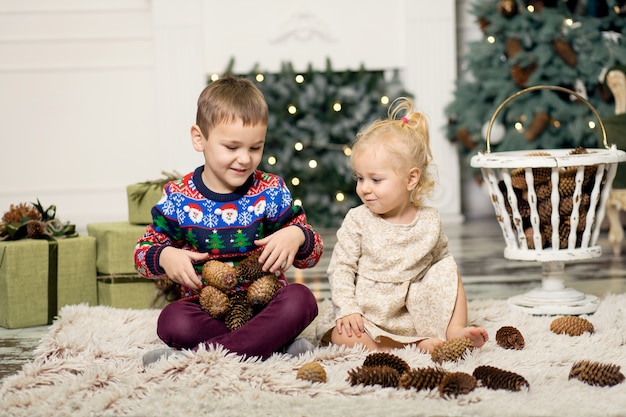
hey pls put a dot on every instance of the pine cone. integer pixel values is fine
(537, 126)
(571, 325)
(454, 384)
(261, 291)
(219, 275)
(35, 229)
(518, 178)
(312, 371)
(214, 302)
(374, 375)
(451, 349)
(464, 136)
(495, 378)
(564, 231)
(249, 269)
(520, 75)
(512, 46)
(507, 8)
(509, 337)
(240, 311)
(422, 378)
(544, 191)
(565, 51)
(545, 232)
(567, 181)
(484, 23)
(387, 359)
(596, 373)
(544, 208)
(21, 213)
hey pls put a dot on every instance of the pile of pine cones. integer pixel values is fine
(543, 189)
(391, 371)
(219, 298)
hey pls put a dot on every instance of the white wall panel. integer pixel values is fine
(97, 94)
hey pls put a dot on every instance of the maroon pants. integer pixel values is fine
(184, 325)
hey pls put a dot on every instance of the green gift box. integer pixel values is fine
(38, 277)
(116, 243)
(128, 291)
(141, 198)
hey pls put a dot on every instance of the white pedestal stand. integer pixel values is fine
(553, 298)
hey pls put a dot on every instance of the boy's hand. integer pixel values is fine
(178, 265)
(351, 324)
(280, 248)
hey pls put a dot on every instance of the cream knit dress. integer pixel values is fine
(400, 277)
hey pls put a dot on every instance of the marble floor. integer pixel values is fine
(478, 248)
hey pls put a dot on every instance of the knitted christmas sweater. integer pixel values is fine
(190, 216)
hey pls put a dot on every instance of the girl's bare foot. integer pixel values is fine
(427, 345)
(477, 335)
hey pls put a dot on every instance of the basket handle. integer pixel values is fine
(546, 87)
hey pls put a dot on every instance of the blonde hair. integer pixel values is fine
(229, 99)
(404, 134)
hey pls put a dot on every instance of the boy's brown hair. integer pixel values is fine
(228, 99)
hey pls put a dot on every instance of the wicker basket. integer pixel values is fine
(550, 203)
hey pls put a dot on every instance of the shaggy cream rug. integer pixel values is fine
(90, 365)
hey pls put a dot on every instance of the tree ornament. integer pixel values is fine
(571, 325)
(497, 132)
(565, 51)
(387, 359)
(261, 291)
(219, 275)
(422, 378)
(509, 337)
(214, 301)
(451, 349)
(495, 378)
(537, 126)
(454, 384)
(312, 371)
(386, 376)
(596, 373)
(507, 8)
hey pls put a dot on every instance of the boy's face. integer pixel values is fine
(231, 153)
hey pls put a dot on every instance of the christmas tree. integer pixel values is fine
(313, 118)
(571, 44)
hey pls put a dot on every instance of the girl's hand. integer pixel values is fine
(178, 265)
(280, 248)
(351, 324)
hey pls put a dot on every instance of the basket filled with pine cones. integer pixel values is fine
(550, 205)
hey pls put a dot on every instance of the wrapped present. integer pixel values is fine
(143, 196)
(39, 276)
(44, 265)
(116, 243)
(129, 291)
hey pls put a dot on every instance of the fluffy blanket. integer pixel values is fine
(89, 364)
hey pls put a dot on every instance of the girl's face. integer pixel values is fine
(231, 153)
(383, 185)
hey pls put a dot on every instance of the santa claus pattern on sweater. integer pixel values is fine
(192, 217)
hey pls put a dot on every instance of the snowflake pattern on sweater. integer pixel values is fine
(190, 216)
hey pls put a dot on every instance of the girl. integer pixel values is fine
(393, 281)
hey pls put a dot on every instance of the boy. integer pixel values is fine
(225, 210)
